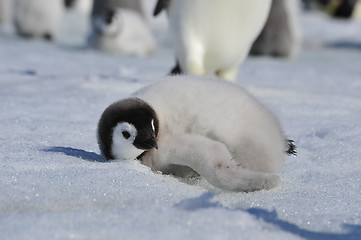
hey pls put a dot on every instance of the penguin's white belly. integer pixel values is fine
(37, 17)
(84, 6)
(216, 35)
(220, 112)
(6, 7)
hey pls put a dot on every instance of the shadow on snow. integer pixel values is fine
(345, 45)
(353, 232)
(78, 153)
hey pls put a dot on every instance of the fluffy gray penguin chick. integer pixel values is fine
(202, 126)
(121, 27)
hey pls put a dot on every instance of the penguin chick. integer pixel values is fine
(213, 37)
(122, 31)
(202, 126)
(37, 18)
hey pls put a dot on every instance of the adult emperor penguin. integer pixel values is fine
(188, 125)
(121, 27)
(281, 36)
(213, 37)
(37, 18)
(6, 12)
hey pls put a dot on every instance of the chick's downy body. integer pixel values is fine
(220, 112)
(215, 129)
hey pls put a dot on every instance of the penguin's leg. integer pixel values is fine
(191, 58)
(229, 73)
(212, 160)
(48, 36)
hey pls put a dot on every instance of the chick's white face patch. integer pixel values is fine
(123, 137)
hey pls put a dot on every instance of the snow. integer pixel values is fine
(55, 185)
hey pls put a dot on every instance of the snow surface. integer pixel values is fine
(55, 185)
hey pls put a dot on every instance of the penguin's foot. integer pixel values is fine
(291, 147)
(176, 70)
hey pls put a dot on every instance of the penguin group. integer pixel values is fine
(200, 123)
(116, 26)
(123, 27)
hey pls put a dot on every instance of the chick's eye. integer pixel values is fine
(126, 134)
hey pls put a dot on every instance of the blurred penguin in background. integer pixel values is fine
(100, 6)
(84, 6)
(281, 36)
(6, 12)
(346, 9)
(213, 37)
(37, 18)
(121, 27)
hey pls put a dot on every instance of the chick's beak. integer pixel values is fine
(153, 143)
(146, 144)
